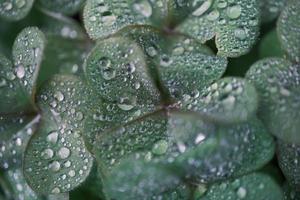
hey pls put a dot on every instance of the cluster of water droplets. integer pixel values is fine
(234, 22)
(13, 144)
(27, 53)
(15, 9)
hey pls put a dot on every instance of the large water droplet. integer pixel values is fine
(64, 152)
(54, 166)
(234, 12)
(52, 137)
(20, 71)
(143, 7)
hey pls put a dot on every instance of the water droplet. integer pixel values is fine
(203, 8)
(79, 116)
(234, 12)
(52, 137)
(59, 96)
(151, 51)
(2, 82)
(20, 71)
(47, 153)
(20, 3)
(127, 103)
(109, 19)
(213, 15)
(143, 7)
(54, 166)
(240, 33)
(7, 5)
(200, 137)
(55, 190)
(72, 173)
(64, 152)
(241, 192)
(160, 147)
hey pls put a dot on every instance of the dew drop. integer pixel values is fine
(240, 33)
(20, 71)
(55, 190)
(160, 147)
(52, 137)
(234, 12)
(64, 152)
(54, 166)
(72, 173)
(203, 8)
(47, 153)
(59, 96)
(143, 7)
(241, 192)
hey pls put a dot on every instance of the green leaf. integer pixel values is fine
(56, 160)
(277, 83)
(206, 152)
(15, 134)
(102, 18)
(271, 9)
(289, 193)
(105, 116)
(19, 187)
(227, 100)
(27, 55)
(176, 60)
(270, 46)
(61, 6)
(288, 28)
(14, 10)
(13, 97)
(289, 161)
(63, 56)
(117, 71)
(136, 179)
(59, 25)
(234, 25)
(256, 186)
(142, 137)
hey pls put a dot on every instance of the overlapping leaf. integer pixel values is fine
(15, 10)
(288, 28)
(289, 161)
(277, 83)
(56, 159)
(102, 18)
(233, 23)
(256, 186)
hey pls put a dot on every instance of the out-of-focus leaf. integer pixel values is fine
(256, 186)
(61, 6)
(270, 46)
(288, 28)
(277, 82)
(14, 10)
(289, 162)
